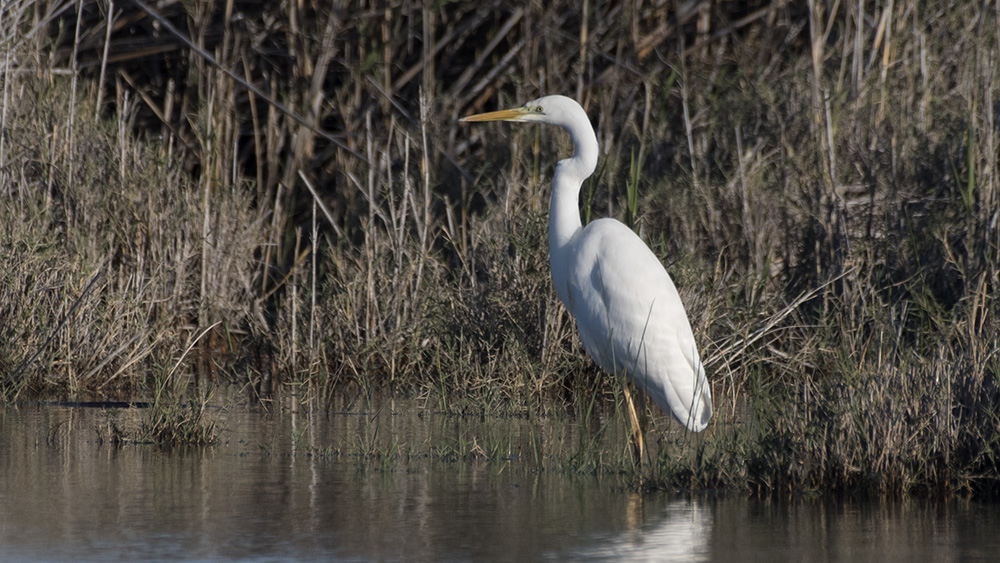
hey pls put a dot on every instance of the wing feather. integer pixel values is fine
(632, 321)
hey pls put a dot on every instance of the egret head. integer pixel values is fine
(555, 110)
(567, 114)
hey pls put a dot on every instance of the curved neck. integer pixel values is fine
(564, 205)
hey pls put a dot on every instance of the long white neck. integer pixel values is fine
(564, 206)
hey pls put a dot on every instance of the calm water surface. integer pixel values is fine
(292, 486)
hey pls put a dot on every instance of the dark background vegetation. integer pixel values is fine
(820, 179)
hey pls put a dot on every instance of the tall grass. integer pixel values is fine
(821, 184)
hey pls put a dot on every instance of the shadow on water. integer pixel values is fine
(401, 482)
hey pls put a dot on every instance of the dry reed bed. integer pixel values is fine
(822, 186)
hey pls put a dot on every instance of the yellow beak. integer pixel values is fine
(514, 114)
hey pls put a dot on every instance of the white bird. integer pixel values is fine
(627, 310)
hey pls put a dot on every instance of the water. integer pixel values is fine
(290, 486)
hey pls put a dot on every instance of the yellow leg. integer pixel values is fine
(633, 418)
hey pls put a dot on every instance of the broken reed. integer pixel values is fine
(826, 204)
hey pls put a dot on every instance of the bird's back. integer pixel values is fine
(631, 319)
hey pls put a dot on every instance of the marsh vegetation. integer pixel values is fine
(820, 179)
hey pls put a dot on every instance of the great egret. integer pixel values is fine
(627, 310)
